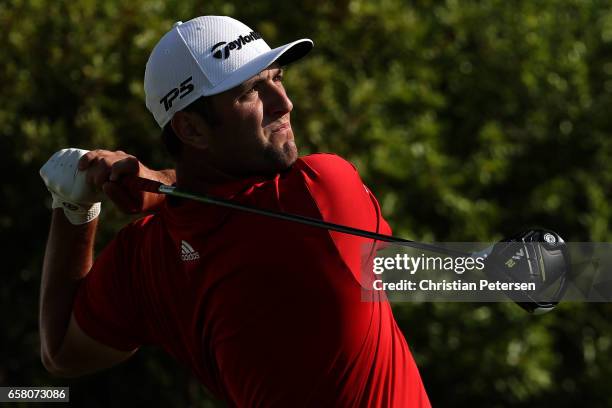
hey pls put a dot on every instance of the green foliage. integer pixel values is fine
(469, 120)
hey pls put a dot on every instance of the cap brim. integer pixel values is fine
(285, 54)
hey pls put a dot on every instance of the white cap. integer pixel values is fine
(206, 56)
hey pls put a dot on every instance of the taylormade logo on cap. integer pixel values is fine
(206, 56)
(234, 45)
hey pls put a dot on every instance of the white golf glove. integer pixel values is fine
(69, 188)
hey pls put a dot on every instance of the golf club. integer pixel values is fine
(535, 255)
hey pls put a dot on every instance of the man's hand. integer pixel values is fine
(69, 188)
(111, 172)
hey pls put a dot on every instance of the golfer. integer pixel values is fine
(265, 312)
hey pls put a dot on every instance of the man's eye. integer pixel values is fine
(278, 78)
(251, 91)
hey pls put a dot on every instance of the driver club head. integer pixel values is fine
(537, 256)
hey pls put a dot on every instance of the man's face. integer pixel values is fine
(253, 133)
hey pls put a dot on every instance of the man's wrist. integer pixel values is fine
(77, 214)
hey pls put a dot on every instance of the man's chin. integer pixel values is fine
(281, 158)
(291, 151)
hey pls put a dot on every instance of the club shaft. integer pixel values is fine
(313, 222)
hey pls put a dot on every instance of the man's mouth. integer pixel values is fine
(281, 127)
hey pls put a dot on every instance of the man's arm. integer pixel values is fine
(65, 350)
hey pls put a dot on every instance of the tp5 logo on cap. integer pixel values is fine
(184, 89)
(234, 45)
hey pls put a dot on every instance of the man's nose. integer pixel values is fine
(278, 102)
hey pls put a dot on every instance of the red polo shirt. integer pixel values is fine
(266, 312)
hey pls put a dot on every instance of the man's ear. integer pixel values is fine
(191, 129)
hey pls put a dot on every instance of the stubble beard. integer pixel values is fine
(279, 159)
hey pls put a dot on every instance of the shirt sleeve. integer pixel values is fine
(105, 307)
(342, 198)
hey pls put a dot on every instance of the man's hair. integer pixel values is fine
(203, 107)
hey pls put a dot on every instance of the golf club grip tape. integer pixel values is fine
(141, 184)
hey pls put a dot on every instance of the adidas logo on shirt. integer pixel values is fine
(188, 253)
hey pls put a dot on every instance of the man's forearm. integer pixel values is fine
(68, 259)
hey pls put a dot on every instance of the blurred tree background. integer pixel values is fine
(470, 120)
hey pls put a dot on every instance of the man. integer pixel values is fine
(265, 312)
